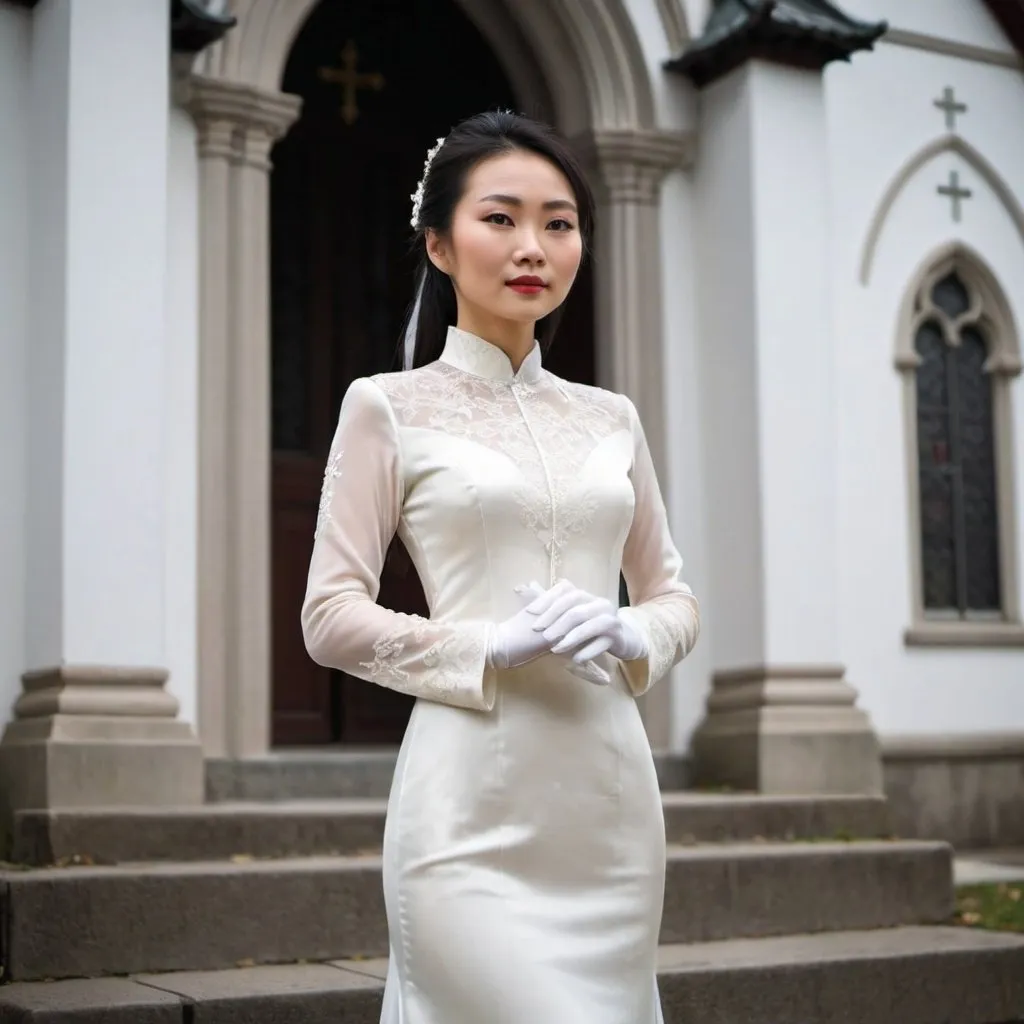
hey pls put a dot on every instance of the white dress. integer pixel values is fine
(524, 850)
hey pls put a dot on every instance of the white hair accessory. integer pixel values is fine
(417, 196)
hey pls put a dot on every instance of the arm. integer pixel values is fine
(662, 607)
(343, 626)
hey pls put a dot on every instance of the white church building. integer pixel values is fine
(809, 277)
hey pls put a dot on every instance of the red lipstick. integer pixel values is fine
(527, 284)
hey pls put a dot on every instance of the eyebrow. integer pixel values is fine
(551, 204)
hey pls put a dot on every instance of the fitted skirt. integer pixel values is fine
(524, 859)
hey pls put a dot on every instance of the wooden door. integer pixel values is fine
(341, 280)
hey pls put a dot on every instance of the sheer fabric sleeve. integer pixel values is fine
(343, 626)
(662, 607)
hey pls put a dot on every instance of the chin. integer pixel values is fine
(528, 312)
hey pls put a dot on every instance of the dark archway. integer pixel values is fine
(380, 80)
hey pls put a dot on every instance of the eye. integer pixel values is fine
(561, 224)
(502, 219)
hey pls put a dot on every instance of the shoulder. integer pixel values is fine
(402, 382)
(367, 405)
(364, 391)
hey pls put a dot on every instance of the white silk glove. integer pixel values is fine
(517, 641)
(583, 669)
(571, 619)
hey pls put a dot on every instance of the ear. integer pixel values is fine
(437, 251)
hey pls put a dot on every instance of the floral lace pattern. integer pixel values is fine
(572, 419)
(666, 642)
(447, 660)
(331, 474)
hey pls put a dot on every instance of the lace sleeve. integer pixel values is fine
(662, 607)
(342, 624)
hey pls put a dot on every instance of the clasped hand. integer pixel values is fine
(565, 620)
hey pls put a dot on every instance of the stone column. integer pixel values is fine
(237, 127)
(628, 167)
(780, 717)
(94, 725)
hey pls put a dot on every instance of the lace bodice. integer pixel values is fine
(492, 478)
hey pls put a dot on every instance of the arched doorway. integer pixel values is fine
(380, 80)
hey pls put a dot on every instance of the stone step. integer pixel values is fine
(911, 975)
(90, 921)
(332, 774)
(338, 827)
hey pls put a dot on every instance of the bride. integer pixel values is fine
(524, 849)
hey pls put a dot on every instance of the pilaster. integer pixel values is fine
(94, 725)
(237, 127)
(629, 166)
(780, 716)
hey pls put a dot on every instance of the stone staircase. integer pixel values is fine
(777, 911)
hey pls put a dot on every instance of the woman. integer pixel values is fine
(524, 851)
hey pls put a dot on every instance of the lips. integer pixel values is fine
(527, 284)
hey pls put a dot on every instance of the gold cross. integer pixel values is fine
(351, 81)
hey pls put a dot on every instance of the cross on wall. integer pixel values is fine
(351, 81)
(950, 106)
(954, 192)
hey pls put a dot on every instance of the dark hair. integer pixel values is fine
(473, 140)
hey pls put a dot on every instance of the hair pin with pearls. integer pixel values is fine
(417, 196)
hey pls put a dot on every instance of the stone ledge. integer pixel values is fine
(343, 774)
(339, 827)
(963, 789)
(953, 747)
(88, 1001)
(312, 993)
(915, 975)
(964, 634)
(164, 917)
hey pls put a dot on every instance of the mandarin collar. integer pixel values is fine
(473, 355)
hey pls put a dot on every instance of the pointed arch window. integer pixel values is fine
(959, 354)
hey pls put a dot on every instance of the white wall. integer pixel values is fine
(48, 210)
(697, 13)
(182, 341)
(684, 490)
(15, 42)
(880, 114)
(962, 21)
(727, 395)
(675, 101)
(96, 561)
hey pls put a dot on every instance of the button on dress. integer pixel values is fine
(524, 849)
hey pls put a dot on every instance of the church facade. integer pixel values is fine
(808, 276)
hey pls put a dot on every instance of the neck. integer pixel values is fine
(513, 337)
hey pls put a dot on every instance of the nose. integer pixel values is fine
(529, 250)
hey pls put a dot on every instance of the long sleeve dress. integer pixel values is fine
(524, 848)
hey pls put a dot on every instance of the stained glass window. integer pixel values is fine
(956, 462)
(951, 296)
